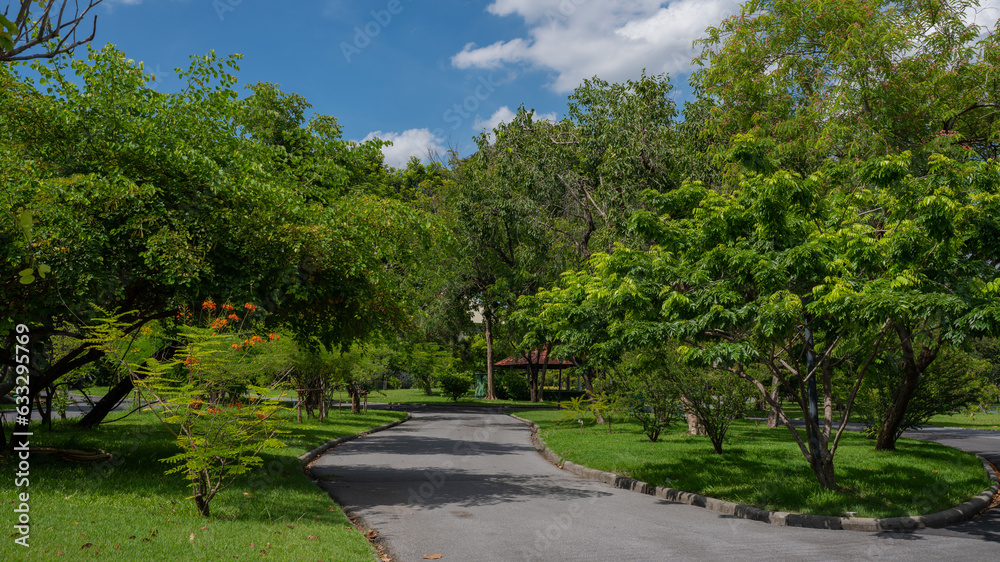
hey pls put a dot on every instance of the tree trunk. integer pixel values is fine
(588, 386)
(355, 399)
(201, 490)
(695, 426)
(488, 335)
(913, 368)
(772, 415)
(105, 405)
(823, 467)
(545, 370)
(886, 440)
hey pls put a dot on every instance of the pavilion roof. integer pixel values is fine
(538, 357)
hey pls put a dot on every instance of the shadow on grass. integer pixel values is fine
(277, 490)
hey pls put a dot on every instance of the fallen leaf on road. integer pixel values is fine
(432, 556)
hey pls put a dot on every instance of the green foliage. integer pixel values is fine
(426, 362)
(609, 406)
(455, 385)
(850, 79)
(715, 399)
(205, 397)
(512, 386)
(149, 201)
(575, 409)
(652, 399)
(954, 381)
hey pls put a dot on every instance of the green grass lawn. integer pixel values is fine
(974, 420)
(417, 396)
(764, 467)
(129, 510)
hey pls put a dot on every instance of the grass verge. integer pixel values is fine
(417, 396)
(967, 419)
(127, 509)
(764, 467)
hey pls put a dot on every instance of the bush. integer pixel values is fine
(652, 400)
(512, 386)
(953, 381)
(455, 385)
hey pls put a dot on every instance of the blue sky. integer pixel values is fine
(426, 75)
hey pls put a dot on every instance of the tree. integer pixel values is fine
(814, 87)
(54, 29)
(952, 382)
(151, 202)
(855, 79)
(503, 253)
(808, 279)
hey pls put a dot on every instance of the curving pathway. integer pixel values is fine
(468, 484)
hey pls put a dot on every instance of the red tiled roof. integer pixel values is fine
(537, 358)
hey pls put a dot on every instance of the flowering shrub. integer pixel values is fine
(205, 394)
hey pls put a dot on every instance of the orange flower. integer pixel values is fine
(209, 304)
(227, 306)
(236, 346)
(272, 337)
(234, 317)
(250, 306)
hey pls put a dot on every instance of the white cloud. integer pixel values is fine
(502, 115)
(578, 39)
(411, 142)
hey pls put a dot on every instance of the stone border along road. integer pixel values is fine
(468, 484)
(957, 514)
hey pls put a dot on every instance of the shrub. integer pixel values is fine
(651, 400)
(512, 386)
(455, 385)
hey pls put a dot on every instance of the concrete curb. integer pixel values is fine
(310, 456)
(951, 516)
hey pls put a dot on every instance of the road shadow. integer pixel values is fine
(441, 489)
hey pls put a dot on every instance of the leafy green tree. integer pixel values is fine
(651, 399)
(150, 202)
(954, 381)
(851, 79)
(503, 254)
(426, 362)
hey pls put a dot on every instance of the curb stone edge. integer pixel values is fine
(957, 514)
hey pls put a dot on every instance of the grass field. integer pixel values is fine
(972, 420)
(417, 396)
(764, 467)
(128, 509)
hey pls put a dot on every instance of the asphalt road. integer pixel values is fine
(468, 485)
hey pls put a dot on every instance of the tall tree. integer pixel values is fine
(147, 202)
(852, 79)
